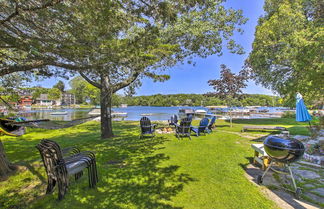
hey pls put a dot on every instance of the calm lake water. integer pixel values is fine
(133, 113)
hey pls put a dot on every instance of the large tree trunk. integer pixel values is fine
(5, 166)
(105, 104)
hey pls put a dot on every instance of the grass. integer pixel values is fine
(164, 172)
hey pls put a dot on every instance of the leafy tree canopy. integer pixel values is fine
(229, 85)
(288, 49)
(115, 43)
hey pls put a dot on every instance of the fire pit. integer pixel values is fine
(284, 150)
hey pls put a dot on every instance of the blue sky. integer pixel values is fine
(193, 79)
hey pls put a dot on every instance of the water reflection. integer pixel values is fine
(72, 114)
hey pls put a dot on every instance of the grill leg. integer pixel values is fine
(292, 177)
(266, 171)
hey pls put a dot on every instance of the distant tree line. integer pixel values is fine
(195, 100)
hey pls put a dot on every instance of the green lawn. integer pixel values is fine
(164, 172)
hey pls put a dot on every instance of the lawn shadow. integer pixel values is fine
(132, 172)
(222, 126)
(265, 121)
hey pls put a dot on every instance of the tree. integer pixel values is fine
(192, 30)
(120, 43)
(229, 86)
(37, 91)
(93, 94)
(54, 94)
(78, 86)
(288, 48)
(60, 86)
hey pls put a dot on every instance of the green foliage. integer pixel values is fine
(84, 91)
(288, 49)
(198, 100)
(54, 94)
(289, 114)
(78, 87)
(60, 85)
(37, 91)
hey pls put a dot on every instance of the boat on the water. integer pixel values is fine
(119, 114)
(94, 112)
(113, 114)
(200, 112)
(185, 112)
(146, 114)
(59, 113)
(123, 105)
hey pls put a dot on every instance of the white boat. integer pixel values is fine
(146, 114)
(94, 112)
(59, 113)
(113, 114)
(119, 114)
(200, 112)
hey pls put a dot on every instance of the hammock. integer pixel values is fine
(10, 130)
(51, 125)
(16, 126)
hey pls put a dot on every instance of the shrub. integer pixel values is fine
(289, 114)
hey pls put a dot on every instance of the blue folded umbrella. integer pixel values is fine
(302, 114)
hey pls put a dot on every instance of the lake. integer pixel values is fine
(133, 113)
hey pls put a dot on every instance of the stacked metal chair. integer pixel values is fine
(147, 127)
(59, 167)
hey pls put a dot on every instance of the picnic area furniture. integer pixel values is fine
(275, 128)
(260, 156)
(211, 125)
(184, 128)
(173, 120)
(59, 168)
(201, 128)
(147, 127)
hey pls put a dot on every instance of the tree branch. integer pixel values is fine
(126, 82)
(39, 64)
(18, 9)
(95, 84)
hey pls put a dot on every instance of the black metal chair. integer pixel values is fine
(147, 127)
(184, 128)
(198, 130)
(59, 168)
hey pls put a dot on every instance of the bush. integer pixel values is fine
(289, 114)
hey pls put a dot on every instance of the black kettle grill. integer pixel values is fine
(285, 150)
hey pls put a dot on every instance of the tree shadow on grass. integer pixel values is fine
(133, 172)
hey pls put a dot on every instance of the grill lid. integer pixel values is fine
(285, 150)
(284, 143)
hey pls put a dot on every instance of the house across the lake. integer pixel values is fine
(67, 99)
(43, 100)
(25, 101)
